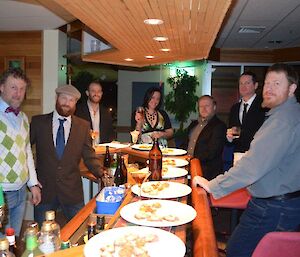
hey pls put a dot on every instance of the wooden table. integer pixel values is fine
(204, 243)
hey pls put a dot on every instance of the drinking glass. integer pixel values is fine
(134, 136)
(236, 132)
(140, 176)
(95, 137)
(140, 110)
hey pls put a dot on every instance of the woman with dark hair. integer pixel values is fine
(153, 122)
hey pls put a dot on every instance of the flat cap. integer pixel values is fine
(68, 90)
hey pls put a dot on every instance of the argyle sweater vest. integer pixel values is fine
(13, 159)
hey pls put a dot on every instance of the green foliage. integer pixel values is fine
(182, 100)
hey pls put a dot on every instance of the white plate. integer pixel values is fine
(165, 151)
(164, 246)
(167, 161)
(172, 172)
(184, 213)
(142, 147)
(114, 145)
(173, 151)
(174, 190)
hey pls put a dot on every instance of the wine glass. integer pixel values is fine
(236, 132)
(134, 136)
(95, 136)
(140, 176)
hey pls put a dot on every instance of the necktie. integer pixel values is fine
(244, 112)
(60, 138)
(11, 109)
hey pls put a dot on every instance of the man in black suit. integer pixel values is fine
(247, 114)
(99, 116)
(61, 140)
(207, 137)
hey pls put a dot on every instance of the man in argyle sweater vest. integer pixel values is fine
(16, 161)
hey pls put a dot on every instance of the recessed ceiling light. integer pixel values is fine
(160, 38)
(165, 49)
(149, 56)
(153, 21)
(128, 59)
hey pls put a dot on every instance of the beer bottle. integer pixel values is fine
(119, 176)
(155, 161)
(107, 159)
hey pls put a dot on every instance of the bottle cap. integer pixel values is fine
(10, 232)
(1, 196)
(4, 244)
(50, 215)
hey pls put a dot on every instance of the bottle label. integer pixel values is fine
(11, 239)
(31, 243)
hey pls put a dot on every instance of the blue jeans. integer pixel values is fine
(260, 217)
(16, 202)
(68, 210)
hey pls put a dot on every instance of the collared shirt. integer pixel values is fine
(271, 166)
(95, 117)
(195, 134)
(249, 102)
(55, 126)
(15, 122)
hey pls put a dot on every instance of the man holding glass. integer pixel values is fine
(269, 170)
(246, 116)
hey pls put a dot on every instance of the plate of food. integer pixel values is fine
(142, 147)
(170, 172)
(165, 151)
(158, 213)
(135, 241)
(162, 189)
(174, 162)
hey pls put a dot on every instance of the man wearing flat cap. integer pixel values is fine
(61, 140)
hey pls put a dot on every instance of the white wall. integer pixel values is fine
(54, 47)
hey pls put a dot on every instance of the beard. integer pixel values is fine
(64, 110)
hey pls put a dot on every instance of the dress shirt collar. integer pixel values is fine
(56, 116)
(249, 102)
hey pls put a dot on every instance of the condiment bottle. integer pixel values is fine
(47, 239)
(31, 243)
(10, 235)
(50, 216)
(4, 248)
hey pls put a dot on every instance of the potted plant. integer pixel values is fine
(181, 101)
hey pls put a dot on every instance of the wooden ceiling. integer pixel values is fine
(191, 27)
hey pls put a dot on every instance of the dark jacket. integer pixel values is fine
(253, 121)
(209, 146)
(62, 178)
(106, 128)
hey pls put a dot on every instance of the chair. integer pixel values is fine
(278, 244)
(237, 200)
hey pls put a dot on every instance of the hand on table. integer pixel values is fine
(202, 182)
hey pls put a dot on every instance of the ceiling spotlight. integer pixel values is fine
(153, 22)
(160, 38)
(149, 56)
(165, 49)
(128, 59)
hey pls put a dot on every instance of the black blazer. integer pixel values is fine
(254, 119)
(209, 146)
(61, 178)
(106, 128)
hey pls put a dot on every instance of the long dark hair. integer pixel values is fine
(148, 95)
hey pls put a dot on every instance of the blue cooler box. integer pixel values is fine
(109, 200)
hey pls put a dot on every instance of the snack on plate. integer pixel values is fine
(148, 212)
(169, 162)
(155, 188)
(129, 245)
(145, 147)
